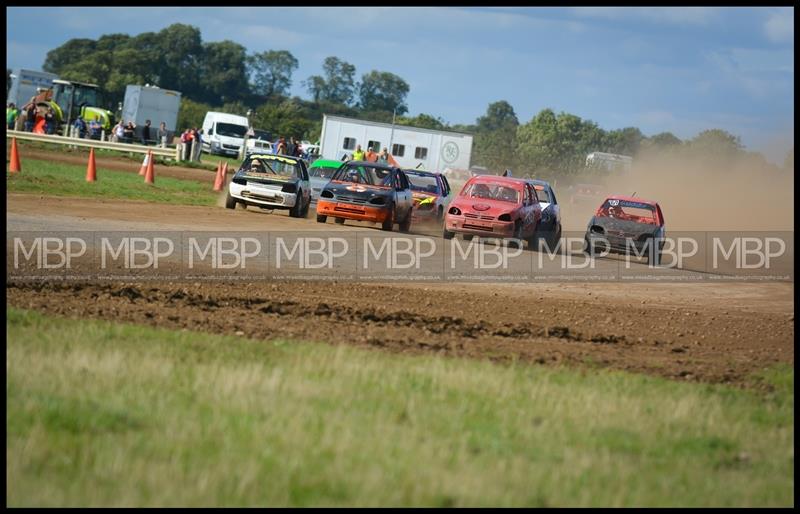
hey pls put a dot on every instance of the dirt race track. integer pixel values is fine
(709, 332)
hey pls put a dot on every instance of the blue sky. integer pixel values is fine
(681, 70)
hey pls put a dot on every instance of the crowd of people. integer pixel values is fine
(369, 155)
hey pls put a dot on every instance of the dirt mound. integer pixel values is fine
(679, 343)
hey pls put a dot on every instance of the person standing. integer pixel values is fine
(198, 144)
(146, 132)
(383, 157)
(358, 155)
(281, 149)
(118, 132)
(11, 115)
(162, 134)
(30, 116)
(290, 146)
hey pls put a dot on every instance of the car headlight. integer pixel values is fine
(504, 217)
(378, 200)
(326, 194)
(289, 187)
(455, 211)
(239, 180)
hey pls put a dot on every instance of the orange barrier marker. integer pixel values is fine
(91, 170)
(150, 175)
(143, 169)
(14, 166)
(218, 177)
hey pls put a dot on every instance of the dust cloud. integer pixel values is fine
(701, 194)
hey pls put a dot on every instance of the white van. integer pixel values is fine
(223, 133)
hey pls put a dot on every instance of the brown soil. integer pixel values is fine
(696, 343)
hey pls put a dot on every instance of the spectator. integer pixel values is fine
(30, 116)
(81, 126)
(162, 134)
(358, 155)
(290, 146)
(186, 141)
(281, 149)
(94, 128)
(49, 121)
(118, 132)
(198, 143)
(146, 132)
(129, 131)
(383, 157)
(11, 115)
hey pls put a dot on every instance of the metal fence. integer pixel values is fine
(172, 153)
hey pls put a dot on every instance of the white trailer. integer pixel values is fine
(25, 84)
(152, 103)
(609, 161)
(411, 147)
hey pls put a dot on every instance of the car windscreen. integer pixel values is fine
(230, 130)
(492, 192)
(542, 194)
(264, 167)
(263, 135)
(322, 171)
(368, 175)
(628, 211)
(423, 182)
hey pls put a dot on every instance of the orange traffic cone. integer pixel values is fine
(91, 170)
(218, 177)
(150, 174)
(15, 166)
(143, 169)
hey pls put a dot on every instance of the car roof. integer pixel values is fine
(326, 162)
(632, 199)
(496, 179)
(372, 164)
(421, 172)
(271, 156)
(538, 182)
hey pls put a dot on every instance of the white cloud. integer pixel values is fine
(779, 26)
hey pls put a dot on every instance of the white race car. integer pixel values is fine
(271, 181)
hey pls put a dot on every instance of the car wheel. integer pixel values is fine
(440, 214)
(405, 226)
(516, 242)
(230, 203)
(297, 210)
(321, 218)
(389, 221)
(446, 234)
(533, 241)
(653, 254)
(306, 208)
(467, 237)
(339, 221)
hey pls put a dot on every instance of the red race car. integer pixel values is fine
(492, 206)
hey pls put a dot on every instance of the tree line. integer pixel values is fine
(223, 76)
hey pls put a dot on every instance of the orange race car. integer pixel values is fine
(367, 191)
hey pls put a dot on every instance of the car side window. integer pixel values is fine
(403, 180)
(553, 196)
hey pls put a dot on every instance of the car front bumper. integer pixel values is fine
(351, 211)
(494, 228)
(261, 195)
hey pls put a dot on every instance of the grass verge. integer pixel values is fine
(103, 414)
(59, 179)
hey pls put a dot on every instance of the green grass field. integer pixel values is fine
(103, 414)
(59, 179)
